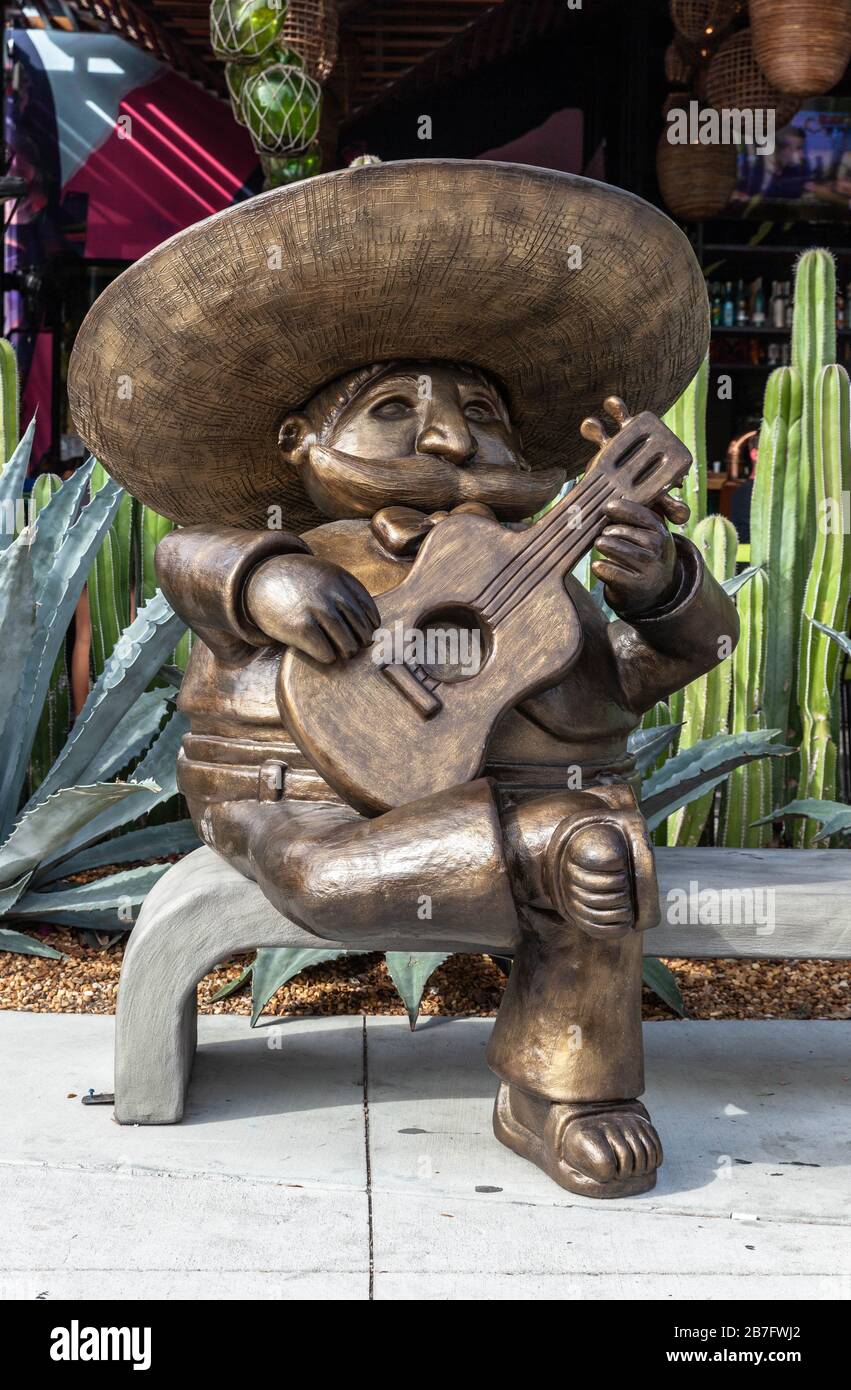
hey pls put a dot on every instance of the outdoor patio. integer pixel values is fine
(345, 1158)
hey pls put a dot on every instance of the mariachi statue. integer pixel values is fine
(353, 393)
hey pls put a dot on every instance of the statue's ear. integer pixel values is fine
(295, 438)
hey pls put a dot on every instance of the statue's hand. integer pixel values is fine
(639, 564)
(312, 605)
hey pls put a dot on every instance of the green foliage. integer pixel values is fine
(9, 401)
(74, 806)
(747, 795)
(687, 419)
(706, 701)
(827, 591)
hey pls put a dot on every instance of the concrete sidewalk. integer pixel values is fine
(344, 1158)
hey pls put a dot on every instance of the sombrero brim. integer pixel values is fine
(567, 290)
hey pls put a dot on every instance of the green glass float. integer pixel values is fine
(282, 169)
(281, 107)
(243, 30)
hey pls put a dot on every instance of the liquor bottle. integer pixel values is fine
(728, 311)
(840, 307)
(778, 311)
(741, 306)
(790, 304)
(759, 306)
(716, 305)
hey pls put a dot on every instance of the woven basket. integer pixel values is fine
(679, 62)
(702, 21)
(311, 29)
(735, 82)
(802, 48)
(695, 180)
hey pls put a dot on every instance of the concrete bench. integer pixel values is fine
(715, 903)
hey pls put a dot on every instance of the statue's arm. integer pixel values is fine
(203, 572)
(665, 648)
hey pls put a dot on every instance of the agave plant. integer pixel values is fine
(77, 817)
(688, 775)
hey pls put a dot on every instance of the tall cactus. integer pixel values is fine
(827, 591)
(10, 428)
(776, 546)
(687, 419)
(747, 794)
(151, 529)
(109, 583)
(706, 702)
(813, 348)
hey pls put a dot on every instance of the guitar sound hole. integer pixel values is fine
(454, 643)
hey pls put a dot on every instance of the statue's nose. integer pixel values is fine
(448, 437)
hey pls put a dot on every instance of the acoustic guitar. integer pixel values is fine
(385, 731)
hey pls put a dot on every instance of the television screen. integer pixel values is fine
(807, 177)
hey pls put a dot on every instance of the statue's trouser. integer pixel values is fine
(569, 1027)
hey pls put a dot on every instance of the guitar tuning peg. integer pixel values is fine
(592, 430)
(617, 409)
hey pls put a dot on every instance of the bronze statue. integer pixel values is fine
(354, 393)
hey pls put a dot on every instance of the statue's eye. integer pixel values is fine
(479, 410)
(395, 409)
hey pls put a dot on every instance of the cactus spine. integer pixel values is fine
(827, 591)
(775, 544)
(747, 794)
(706, 702)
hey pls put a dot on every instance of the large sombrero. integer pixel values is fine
(565, 289)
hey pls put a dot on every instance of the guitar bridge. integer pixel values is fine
(410, 682)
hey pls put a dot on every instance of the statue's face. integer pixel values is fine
(419, 434)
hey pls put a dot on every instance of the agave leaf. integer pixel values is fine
(12, 481)
(17, 629)
(151, 842)
(62, 588)
(233, 985)
(842, 639)
(663, 982)
(48, 827)
(23, 945)
(700, 768)
(55, 520)
(646, 744)
(132, 735)
(410, 972)
(833, 816)
(10, 893)
(733, 585)
(274, 966)
(156, 775)
(129, 668)
(110, 902)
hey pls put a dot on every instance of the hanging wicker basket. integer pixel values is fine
(802, 48)
(704, 21)
(695, 180)
(680, 60)
(311, 29)
(735, 82)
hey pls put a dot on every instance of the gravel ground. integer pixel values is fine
(86, 981)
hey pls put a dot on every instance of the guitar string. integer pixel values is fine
(547, 564)
(542, 532)
(578, 536)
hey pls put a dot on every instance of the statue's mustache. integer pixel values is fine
(364, 486)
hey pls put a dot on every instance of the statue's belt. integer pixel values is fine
(217, 768)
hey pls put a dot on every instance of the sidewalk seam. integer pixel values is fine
(368, 1164)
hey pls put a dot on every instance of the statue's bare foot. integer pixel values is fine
(594, 1148)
